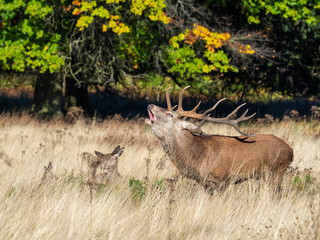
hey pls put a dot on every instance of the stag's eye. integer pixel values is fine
(169, 114)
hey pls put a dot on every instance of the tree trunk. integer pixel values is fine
(47, 100)
(76, 96)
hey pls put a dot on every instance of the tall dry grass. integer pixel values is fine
(179, 210)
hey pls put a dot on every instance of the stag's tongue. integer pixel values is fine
(151, 116)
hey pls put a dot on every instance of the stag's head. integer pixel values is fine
(165, 122)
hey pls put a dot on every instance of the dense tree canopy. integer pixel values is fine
(29, 39)
(216, 46)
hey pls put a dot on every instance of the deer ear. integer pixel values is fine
(49, 167)
(120, 151)
(99, 154)
(115, 150)
(191, 128)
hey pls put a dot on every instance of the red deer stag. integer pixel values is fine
(214, 160)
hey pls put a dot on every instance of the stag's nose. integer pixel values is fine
(151, 106)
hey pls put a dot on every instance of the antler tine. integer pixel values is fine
(180, 109)
(211, 109)
(241, 132)
(234, 123)
(243, 116)
(235, 111)
(168, 99)
(196, 107)
(227, 120)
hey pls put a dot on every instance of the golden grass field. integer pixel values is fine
(181, 210)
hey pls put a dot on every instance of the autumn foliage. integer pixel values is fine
(88, 10)
(97, 42)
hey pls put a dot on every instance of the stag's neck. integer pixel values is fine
(185, 151)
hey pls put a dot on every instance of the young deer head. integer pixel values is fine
(109, 163)
(103, 167)
(212, 159)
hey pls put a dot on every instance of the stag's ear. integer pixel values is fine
(191, 128)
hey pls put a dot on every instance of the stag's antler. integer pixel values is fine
(226, 120)
(168, 99)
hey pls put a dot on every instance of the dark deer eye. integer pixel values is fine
(169, 114)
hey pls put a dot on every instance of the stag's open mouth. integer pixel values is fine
(151, 116)
(149, 121)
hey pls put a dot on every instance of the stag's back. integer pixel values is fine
(239, 157)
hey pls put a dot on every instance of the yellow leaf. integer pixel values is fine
(104, 28)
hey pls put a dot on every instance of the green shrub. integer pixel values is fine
(137, 188)
(302, 183)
